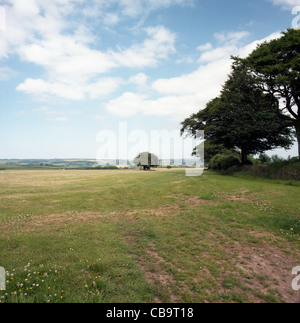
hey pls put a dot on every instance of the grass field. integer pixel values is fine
(137, 237)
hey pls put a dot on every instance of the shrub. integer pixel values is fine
(277, 168)
(264, 159)
(289, 172)
(224, 161)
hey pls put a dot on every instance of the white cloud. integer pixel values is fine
(231, 38)
(230, 44)
(71, 65)
(185, 60)
(126, 105)
(186, 94)
(140, 80)
(247, 49)
(130, 104)
(66, 59)
(134, 8)
(286, 4)
(202, 80)
(205, 47)
(76, 91)
(45, 34)
(111, 19)
(43, 90)
(158, 45)
(31, 18)
(103, 87)
(27, 8)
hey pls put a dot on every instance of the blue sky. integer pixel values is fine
(71, 69)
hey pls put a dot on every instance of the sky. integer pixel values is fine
(78, 77)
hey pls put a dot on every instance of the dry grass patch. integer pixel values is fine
(32, 223)
(157, 276)
(154, 270)
(164, 211)
(263, 268)
(193, 201)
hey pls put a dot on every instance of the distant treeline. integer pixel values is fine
(84, 163)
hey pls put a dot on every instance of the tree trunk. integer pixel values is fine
(298, 138)
(244, 157)
(297, 126)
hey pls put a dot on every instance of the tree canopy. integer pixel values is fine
(242, 117)
(146, 160)
(275, 65)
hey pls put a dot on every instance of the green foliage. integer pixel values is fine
(224, 161)
(241, 118)
(276, 65)
(211, 149)
(146, 160)
(276, 68)
(264, 158)
(274, 167)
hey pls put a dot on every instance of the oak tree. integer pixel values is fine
(241, 117)
(275, 65)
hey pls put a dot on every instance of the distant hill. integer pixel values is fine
(84, 163)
